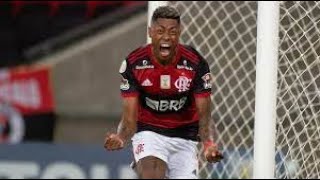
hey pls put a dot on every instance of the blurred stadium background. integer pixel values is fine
(59, 89)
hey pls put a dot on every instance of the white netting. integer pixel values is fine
(298, 134)
(225, 33)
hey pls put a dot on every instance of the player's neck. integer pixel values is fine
(165, 62)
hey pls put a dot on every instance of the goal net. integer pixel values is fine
(225, 34)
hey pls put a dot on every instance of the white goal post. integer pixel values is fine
(266, 95)
(266, 89)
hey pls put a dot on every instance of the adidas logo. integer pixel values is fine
(147, 82)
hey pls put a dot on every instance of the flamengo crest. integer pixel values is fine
(183, 83)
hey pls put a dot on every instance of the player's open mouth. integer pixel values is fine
(165, 50)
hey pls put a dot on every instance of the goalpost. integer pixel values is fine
(266, 96)
(266, 89)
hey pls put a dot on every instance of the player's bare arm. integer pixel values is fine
(205, 131)
(127, 126)
(203, 106)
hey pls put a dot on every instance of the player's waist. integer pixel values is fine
(188, 131)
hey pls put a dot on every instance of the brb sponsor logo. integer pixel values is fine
(166, 105)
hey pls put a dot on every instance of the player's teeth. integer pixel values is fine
(165, 45)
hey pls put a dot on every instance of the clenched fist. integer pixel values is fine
(113, 142)
(212, 153)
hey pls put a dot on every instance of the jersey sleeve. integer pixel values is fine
(203, 80)
(128, 85)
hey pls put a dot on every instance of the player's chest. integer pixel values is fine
(165, 80)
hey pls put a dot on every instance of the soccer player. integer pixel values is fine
(166, 89)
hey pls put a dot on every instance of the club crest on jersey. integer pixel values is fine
(145, 65)
(183, 83)
(165, 82)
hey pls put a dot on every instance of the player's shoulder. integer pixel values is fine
(138, 54)
(190, 53)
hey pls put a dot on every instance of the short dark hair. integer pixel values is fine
(166, 12)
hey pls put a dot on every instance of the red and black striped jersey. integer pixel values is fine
(166, 93)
